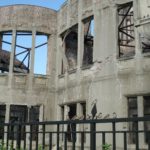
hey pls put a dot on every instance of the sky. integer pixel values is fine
(53, 4)
(40, 53)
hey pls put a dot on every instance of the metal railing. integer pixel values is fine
(83, 134)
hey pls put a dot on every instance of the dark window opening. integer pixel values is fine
(72, 115)
(34, 117)
(145, 40)
(2, 120)
(126, 37)
(147, 113)
(62, 68)
(71, 47)
(17, 114)
(84, 109)
(71, 127)
(5, 49)
(88, 41)
(132, 112)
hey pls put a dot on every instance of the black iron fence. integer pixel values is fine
(102, 134)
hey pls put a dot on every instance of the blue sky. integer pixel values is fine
(40, 53)
(54, 4)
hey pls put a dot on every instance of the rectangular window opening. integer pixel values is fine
(41, 51)
(34, 117)
(18, 113)
(126, 34)
(5, 50)
(145, 43)
(72, 115)
(88, 41)
(70, 42)
(146, 113)
(132, 112)
(22, 52)
(2, 120)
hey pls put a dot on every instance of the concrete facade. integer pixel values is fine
(110, 80)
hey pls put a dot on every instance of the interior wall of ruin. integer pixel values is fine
(110, 80)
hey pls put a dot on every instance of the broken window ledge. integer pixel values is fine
(146, 54)
(3, 74)
(69, 72)
(72, 71)
(61, 76)
(123, 58)
(85, 67)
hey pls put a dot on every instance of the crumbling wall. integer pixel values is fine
(29, 89)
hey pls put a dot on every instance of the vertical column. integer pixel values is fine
(138, 51)
(66, 117)
(41, 113)
(41, 109)
(7, 116)
(136, 4)
(32, 53)
(13, 46)
(136, 9)
(79, 126)
(51, 54)
(80, 48)
(80, 36)
(68, 13)
(140, 103)
(11, 63)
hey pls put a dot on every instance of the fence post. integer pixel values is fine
(93, 136)
(43, 137)
(114, 135)
(57, 136)
(73, 126)
(31, 135)
(19, 136)
(148, 140)
(137, 135)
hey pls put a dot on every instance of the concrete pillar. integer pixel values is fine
(51, 53)
(41, 113)
(11, 63)
(138, 50)
(13, 46)
(140, 105)
(80, 36)
(32, 52)
(32, 55)
(66, 117)
(7, 116)
(79, 126)
(68, 13)
(136, 9)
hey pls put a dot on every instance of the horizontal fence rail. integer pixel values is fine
(102, 134)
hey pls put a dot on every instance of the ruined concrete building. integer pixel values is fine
(96, 49)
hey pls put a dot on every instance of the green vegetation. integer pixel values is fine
(106, 146)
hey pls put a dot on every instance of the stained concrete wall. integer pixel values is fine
(30, 89)
(110, 80)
